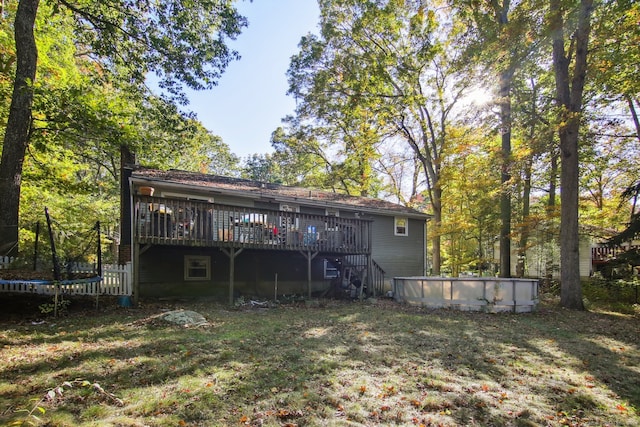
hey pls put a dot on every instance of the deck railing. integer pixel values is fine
(376, 283)
(169, 221)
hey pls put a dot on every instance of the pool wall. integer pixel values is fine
(491, 294)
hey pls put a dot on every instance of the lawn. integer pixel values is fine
(371, 363)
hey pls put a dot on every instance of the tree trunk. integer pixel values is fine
(569, 97)
(501, 11)
(435, 231)
(524, 229)
(127, 159)
(634, 116)
(16, 138)
(553, 180)
(506, 78)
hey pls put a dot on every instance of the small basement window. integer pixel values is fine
(400, 226)
(331, 269)
(197, 267)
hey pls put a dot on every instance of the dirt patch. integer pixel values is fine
(41, 275)
(21, 308)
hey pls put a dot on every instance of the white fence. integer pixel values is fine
(115, 280)
(5, 261)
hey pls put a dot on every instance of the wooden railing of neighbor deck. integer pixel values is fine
(167, 221)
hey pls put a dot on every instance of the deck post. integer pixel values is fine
(232, 270)
(309, 272)
(309, 257)
(370, 277)
(136, 273)
(232, 254)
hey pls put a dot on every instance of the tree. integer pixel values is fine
(300, 157)
(533, 142)
(615, 56)
(382, 73)
(471, 219)
(336, 119)
(632, 230)
(503, 42)
(80, 122)
(183, 42)
(16, 136)
(569, 92)
(263, 168)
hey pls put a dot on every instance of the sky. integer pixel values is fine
(250, 99)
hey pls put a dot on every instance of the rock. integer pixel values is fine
(184, 318)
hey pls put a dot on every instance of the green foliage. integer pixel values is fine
(615, 56)
(262, 168)
(91, 98)
(616, 295)
(57, 307)
(182, 42)
(470, 219)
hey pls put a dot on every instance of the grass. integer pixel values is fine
(337, 364)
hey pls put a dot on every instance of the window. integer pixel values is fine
(197, 267)
(400, 226)
(331, 269)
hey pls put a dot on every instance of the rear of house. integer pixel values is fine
(198, 235)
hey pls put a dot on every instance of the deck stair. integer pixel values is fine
(353, 278)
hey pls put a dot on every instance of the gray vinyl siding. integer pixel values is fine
(398, 255)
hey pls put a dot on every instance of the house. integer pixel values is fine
(543, 259)
(194, 234)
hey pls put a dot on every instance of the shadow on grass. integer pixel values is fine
(345, 363)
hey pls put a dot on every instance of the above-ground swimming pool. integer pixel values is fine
(492, 294)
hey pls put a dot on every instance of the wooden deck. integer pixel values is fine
(181, 222)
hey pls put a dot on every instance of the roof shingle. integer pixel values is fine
(268, 190)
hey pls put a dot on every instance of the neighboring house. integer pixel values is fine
(616, 261)
(193, 234)
(544, 259)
